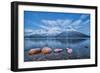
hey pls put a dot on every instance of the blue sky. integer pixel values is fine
(55, 23)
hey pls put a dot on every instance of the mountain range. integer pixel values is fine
(67, 34)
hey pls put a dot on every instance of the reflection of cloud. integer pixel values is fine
(53, 27)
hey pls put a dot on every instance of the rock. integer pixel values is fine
(69, 50)
(34, 51)
(46, 50)
(58, 50)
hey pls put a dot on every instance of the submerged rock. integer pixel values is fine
(46, 50)
(69, 50)
(34, 51)
(58, 50)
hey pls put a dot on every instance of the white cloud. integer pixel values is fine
(48, 23)
(28, 30)
(76, 22)
(86, 22)
(59, 23)
(80, 23)
(52, 27)
(83, 16)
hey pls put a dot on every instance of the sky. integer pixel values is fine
(55, 22)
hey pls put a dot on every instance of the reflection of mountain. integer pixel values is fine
(64, 41)
(68, 34)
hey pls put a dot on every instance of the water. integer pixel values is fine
(80, 47)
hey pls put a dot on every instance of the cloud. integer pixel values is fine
(86, 22)
(80, 23)
(52, 27)
(58, 24)
(49, 23)
(28, 30)
(83, 16)
(76, 22)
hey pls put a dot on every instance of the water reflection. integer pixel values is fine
(80, 47)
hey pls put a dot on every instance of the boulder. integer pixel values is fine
(58, 50)
(34, 51)
(46, 50)
(69, 50)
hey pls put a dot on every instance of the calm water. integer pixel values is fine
(80, 47)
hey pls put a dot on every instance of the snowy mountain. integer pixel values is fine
(72, 34)
(65, 34)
